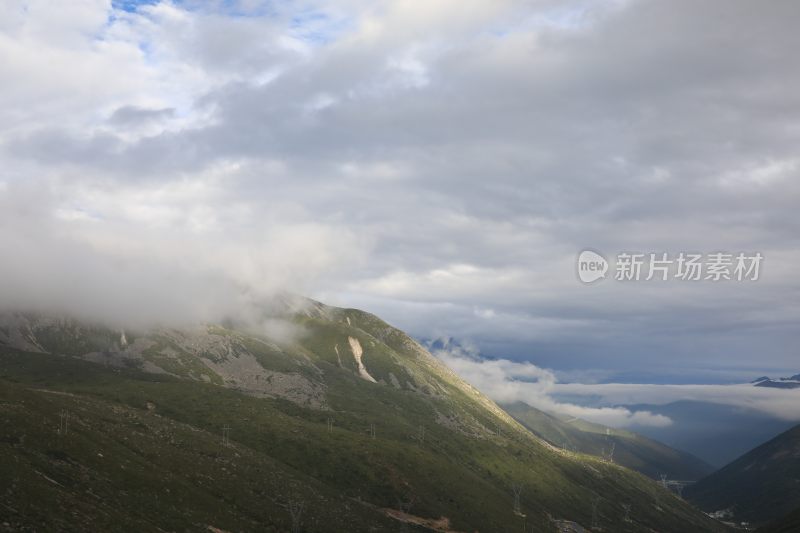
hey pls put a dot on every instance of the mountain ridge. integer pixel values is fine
(773, 467)
(292, 405)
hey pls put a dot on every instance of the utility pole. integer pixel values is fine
(63, 423)
(517, 489)
(372, 430)
(226, 435)
(296, 507)
(609, 456)
(330, 425)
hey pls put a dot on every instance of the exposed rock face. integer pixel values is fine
(358, 353)
(16, 331)
(244, 372)
(202, 353)
(259, 361)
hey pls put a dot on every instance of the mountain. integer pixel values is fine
(760, 486)
(792, 382)
(626, 448)
(716, 433)
(314, 419)
(787, 524)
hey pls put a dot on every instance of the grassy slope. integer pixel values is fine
(760, 486)
(634, 451)
(144, 451)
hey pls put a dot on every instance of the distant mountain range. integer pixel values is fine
(792, 382)
(316, 419)
(761, 486)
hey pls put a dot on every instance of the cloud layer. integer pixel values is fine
(440, 164)
(508, 382)
(606, 403)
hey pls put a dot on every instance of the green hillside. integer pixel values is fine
(626, 448)
(761, 486)
(228, 428)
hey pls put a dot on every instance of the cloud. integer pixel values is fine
(605, 403)
(778, 403)
(441, 165)
(507, 382)
(155, 262)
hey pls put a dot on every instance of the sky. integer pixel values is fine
(440, 164)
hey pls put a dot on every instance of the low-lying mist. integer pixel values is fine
(127, 276)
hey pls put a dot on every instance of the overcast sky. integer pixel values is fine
(438, 163)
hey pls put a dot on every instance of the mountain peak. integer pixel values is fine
(792, 382)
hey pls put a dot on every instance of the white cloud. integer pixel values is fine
(158, 254)
(778, 403)
(506, 382)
